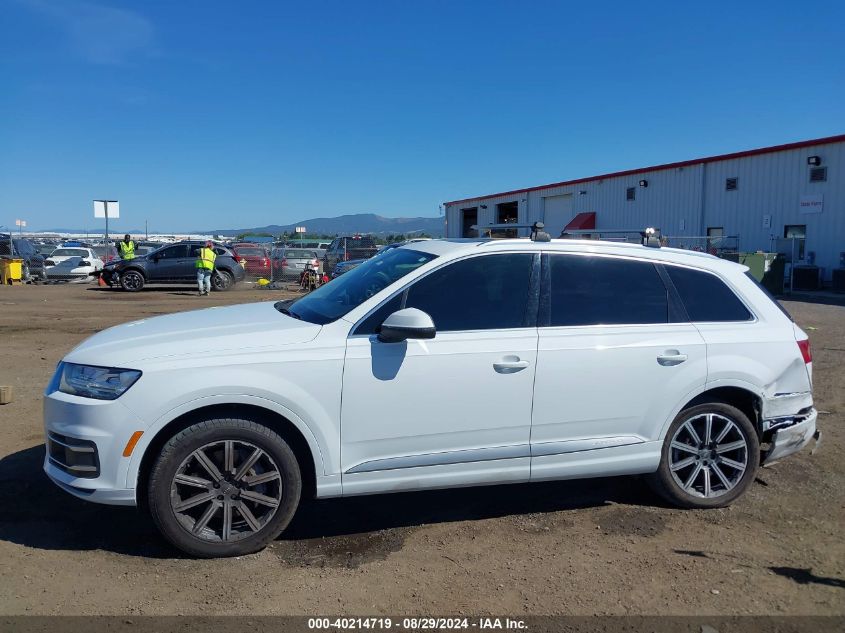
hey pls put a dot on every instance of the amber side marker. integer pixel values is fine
(130, 445)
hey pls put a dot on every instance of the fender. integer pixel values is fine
(714, 384)
(197, 403)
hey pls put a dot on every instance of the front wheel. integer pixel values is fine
(709, 458)
(132, 281)
(224, 487)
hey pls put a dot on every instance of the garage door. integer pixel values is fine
(557, 211)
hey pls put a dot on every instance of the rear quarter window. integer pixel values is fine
(706, 297)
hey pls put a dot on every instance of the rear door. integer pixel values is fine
(615, 357)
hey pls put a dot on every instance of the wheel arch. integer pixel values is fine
(280, 424)
(747, 401)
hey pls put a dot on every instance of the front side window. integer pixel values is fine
(172, 252)
(706, 297)
(604, 291)
(489, 292)
(333, 300)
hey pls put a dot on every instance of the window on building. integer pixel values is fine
(605, 291)
(631, 193)
(818, 174)
(731, 184)
(714, 237)
(469, 218)
(706, 297)
(797, 232)
(506, 213)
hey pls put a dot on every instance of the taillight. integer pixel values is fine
(237, 258)
(804, 346)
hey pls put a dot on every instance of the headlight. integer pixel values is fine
(101, 383)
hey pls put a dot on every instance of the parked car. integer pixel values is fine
(490, 362)
(256, 259)
(22, 248)
(291, 262)
(73, 264)
(345, 266)
(173, 264)
(348, 248)
(108, 253)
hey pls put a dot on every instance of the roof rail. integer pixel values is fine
(537, 232)
(648, 237)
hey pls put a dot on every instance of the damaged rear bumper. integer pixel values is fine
(790, 434)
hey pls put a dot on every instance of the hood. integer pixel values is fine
(233, 329)
(72, 260)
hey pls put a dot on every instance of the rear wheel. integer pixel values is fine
(709, 459)
(224, 487)
(222, 280)
(132, 281)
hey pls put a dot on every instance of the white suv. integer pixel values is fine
(437, 364)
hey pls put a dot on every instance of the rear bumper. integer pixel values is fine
(792, 437)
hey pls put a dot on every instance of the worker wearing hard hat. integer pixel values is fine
(205, 267)
(126, 248)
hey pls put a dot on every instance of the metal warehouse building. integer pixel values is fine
(752, 199)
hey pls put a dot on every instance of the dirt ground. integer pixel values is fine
(604, 546)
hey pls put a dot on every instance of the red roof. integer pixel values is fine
(686, 163)
(582, 222)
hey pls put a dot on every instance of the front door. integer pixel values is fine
(614, 358)
(453, 410)
(167, 263)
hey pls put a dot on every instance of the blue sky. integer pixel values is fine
(200, 114)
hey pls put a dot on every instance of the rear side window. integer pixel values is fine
(706, 297)
(605, 291)
(769, 295)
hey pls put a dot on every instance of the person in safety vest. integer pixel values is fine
(205, 267)
(126, 248)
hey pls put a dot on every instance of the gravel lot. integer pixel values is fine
(582, 547)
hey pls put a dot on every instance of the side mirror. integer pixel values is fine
(405, 324)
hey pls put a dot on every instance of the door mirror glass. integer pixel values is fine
(404, 324)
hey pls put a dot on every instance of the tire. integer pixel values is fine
(706, 474)
(254, 520)
(132, 281)
(222, 280)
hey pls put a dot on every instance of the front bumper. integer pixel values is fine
(72, 425)
(790, 437)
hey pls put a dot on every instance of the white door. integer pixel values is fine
(611, 368)
(557, 213)
(455, 410)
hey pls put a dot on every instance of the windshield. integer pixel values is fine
(69, 252)
(331, 301)
(299, 254)
(249, 251)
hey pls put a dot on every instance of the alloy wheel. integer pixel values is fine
(225, 491)
(708, 455)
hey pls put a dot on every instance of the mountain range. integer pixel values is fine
(340, 225)
(346, 224)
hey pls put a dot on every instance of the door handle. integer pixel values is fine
(510, 365)
(671, 357)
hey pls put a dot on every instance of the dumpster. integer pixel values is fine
(11, 271)
(767, 268)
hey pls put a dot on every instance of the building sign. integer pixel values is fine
(299, 229)
(811, 204)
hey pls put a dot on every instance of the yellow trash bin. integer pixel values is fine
(11, 271)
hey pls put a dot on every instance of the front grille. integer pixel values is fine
(74, 456)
